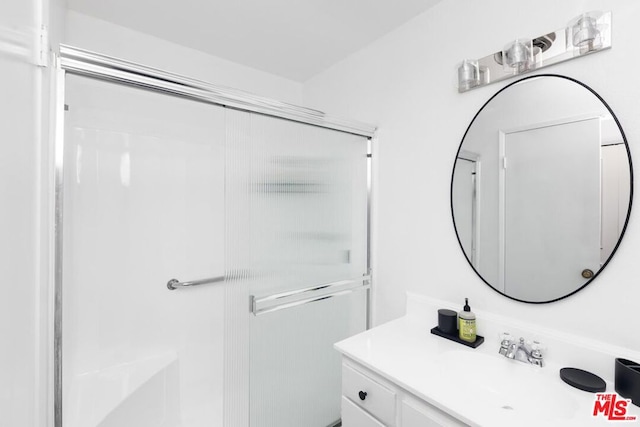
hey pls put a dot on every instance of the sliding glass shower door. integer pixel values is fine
(298, 216)
(143, 204)
(211, 257)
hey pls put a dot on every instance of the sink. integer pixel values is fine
(507, 388)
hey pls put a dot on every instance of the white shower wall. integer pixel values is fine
(143, 203)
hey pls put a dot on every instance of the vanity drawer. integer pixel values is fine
(420, 414)
(353, 416)
(366, 393)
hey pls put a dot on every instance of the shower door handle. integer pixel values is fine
(311, 294)
(174, 284)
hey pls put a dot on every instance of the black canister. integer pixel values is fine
(448, 321)
(627, 380)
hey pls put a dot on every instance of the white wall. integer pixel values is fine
(18, 219)
(104, 37)
(24, 247)
(405, 83)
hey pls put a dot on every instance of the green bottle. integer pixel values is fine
(467, 323)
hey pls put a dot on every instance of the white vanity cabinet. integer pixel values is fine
(411, 378)
(368, 400)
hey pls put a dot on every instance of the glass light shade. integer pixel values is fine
(585, 32)
(468, 75)
(517, 56)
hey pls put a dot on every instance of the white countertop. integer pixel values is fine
(498, 391)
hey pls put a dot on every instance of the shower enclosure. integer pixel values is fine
(211, 248)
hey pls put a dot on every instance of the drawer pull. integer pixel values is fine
(362, 395)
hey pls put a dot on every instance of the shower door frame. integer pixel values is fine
(82, 62)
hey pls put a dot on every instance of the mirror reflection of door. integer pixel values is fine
(465, 202)
(559, 135)
(549, 222)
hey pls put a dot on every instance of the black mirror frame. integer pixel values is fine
(624, 228)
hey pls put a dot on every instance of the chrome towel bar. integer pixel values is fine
(174, 284)
(307, 295)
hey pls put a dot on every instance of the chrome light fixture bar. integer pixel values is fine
(587, 33)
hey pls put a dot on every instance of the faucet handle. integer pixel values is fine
(505, 342)
(536, 353)
(537, 348)
(505, 338)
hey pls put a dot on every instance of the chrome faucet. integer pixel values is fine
(519, 350)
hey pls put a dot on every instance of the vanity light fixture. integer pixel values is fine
(517, 56)
(587, 33)
(468, 74)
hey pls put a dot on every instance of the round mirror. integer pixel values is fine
(541, 188)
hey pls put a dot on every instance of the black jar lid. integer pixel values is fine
(583, 380)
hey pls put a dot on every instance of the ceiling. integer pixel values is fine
(295, 39)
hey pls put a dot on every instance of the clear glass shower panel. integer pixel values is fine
(297, 212)
(143, 204)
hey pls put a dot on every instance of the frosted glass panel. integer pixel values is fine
(144, 192)
(297, 217)
(295, 372)
(309, 195)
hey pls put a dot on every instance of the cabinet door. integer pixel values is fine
(378, 400)
(416, 414)
(353, 416)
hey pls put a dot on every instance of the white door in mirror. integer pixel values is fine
(550, 167)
